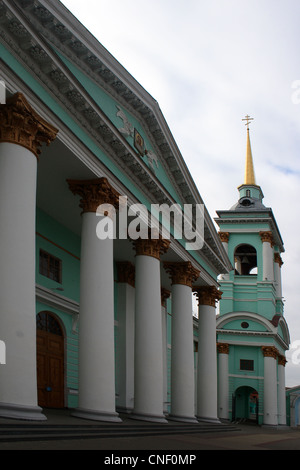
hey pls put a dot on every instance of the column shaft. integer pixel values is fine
(223, 381)
(270, 386)
(148, 365)
(21, 131)
(182, 363)
(207, 395)
(281, 391)
(96, 318)
(268, 257)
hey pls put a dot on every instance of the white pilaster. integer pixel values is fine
(96, 317)
(277, 275)
(148, 365)
(270, 386)
(18, 171)
(281, 391)
(223, 381)
(164, 315)
(125, 337)
(207, 395)
(268, 256)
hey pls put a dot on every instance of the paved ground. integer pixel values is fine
(18, 435)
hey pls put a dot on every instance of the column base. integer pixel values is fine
(97, 415)
(208, 420)
(29, 413)
(183, 419)
(149, 417)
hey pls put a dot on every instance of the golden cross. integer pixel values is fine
(248, 119)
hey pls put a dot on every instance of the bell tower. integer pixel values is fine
(252, 334)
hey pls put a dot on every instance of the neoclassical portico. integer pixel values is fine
(22, 131)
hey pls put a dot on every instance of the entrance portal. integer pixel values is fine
(50, 361)
(245, 404)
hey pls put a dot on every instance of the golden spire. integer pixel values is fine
(249, 168)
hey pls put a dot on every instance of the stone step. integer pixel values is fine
(41, 432)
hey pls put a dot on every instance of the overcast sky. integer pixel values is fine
(208, 63)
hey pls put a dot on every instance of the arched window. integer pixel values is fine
(245, 258)
(47, 322)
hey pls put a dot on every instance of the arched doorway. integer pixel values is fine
(246, 404)
(50, 361)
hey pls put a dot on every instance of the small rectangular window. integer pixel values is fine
(50, 266)
(246, 364)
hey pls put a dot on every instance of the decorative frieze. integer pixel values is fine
(126, 272)
(269, 351)
(93, 193)
(182, 272)
(267, 237)
(20, 124)
(207, 295)
(223, 348)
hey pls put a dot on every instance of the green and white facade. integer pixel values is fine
(96, 325)
(252, 333)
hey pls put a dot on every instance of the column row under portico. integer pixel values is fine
(148, 387)
(22, 132)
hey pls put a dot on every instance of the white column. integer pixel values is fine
(277, 274)
(96, 317)
(281, 391)
(182, 362)
(270, 386)
(207, 395)
(223, 381)
(125, 337)
(268, 256)
(164, 314)
(21, 132)
(148, 366)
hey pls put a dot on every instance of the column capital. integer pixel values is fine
(153, 247)
(281, 360)
(223, 348)
(207, 295)
(224, 236)
(269, 351)
(22, 125)
(93, 193)
(165, 294)
(267, 237)
(182, 272)
(277, 259)
(126, 272)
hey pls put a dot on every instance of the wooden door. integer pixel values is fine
(50, 362)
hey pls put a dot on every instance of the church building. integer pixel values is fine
(105, 239)
(252, 333)
(92, 317)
